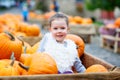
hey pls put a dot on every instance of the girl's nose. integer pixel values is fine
(59, 30)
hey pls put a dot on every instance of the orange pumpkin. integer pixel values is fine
(78, 41)
(78, 19)
(33, 30)
(32, 15)
(24, 59)
(9, 44)
(24, 56)
(20, 34)
(41, 63)
(87, 21)
(28, 47)
(96, 68)
(110, 25)
(8, 67)
(35, 47)
(117, 22)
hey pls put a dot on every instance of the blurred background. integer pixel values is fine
(97, 22)
(97, 10)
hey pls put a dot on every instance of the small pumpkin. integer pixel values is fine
(117, 21)
(8, 67)
(41, 63)
(96, 68)
(9, 44)
(24, 56)
(78, 41)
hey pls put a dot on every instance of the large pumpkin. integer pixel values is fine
(41, 63)
(9, 44)
(78, 41)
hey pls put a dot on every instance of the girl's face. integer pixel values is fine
(59, 29)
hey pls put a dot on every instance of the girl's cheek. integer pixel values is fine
(54, 31)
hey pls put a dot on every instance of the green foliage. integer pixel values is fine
(108, 5)
(41, 6)
(117, 2)
(89, 5)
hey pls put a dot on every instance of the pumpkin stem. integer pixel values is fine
(12, 58)
(25, 48)
(23, 66)
(77, 47)
(21, 40)
(11, 36)
(12, 62)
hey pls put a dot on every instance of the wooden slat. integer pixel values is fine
(118, 30)
(115, 38)
(110, 37)
(76, 76)
(83, 29)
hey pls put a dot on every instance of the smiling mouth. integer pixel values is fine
(59, 35)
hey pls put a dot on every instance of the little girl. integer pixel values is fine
(63, 51)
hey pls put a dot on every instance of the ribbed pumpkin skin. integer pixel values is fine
(96, 68)
(8, 70)
(42, 63)
(7, 46)
(78, 41)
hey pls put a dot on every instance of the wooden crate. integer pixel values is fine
(84, 31)
(31, 40)
(87, 60)
(111, 46)
(41, 22)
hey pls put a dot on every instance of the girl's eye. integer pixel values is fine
(55, 28)
(62, 28)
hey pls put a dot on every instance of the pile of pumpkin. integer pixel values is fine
(38, 16)
(72, 19)
(19, 58)
(80, 20)
(14, 24)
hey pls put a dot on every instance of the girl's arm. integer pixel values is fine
(79, 66)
